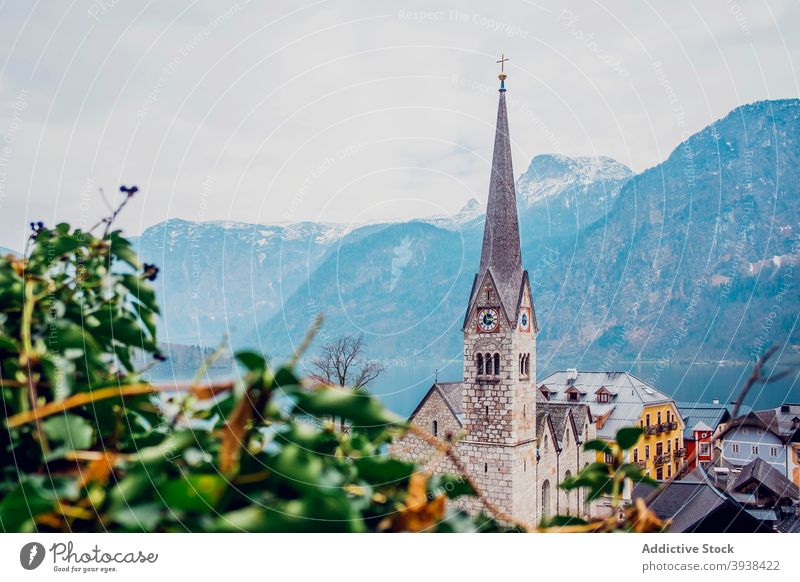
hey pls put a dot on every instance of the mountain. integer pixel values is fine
(561, 195)
(472, 212)
(697, 256)
(225, 277)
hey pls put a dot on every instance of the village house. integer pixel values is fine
(772, 435)
(702, 422)
(618, 400)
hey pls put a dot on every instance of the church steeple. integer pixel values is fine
(501, 255)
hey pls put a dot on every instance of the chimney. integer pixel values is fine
(715, 401)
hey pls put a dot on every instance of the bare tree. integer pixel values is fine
(341, 363)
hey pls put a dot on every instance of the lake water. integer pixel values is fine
(401, 388)
(403, 384)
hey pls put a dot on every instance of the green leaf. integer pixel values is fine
(253, 361)
(122, 250)
(635, 474)
(19, 507)
(383, 470)
(141, 290)
(73, 432)
(628, 437)
(193, 492)
(598, 445)
(454, 486)
(360, 408)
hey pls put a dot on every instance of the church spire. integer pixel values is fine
(501, 244)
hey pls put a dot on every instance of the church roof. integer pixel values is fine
(500, 254)
(450, 392)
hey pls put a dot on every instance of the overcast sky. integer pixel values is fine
(352, 111)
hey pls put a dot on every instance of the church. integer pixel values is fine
(516, 445)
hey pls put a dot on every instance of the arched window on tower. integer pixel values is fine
(496, 364)
(488, 362)
(435, 428)
(480, 364)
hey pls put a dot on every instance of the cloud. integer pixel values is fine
(258, 99)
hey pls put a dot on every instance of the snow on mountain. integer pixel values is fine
(468, 213)
(552, 176)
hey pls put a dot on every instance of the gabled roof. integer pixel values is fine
(773, 421)
(695, 504)
(630, 396)
(761, 472)
(711, 414)
(450, 392)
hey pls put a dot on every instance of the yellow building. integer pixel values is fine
(618, 400)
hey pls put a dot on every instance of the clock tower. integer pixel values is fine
(499, 396)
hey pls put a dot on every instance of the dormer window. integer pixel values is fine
(545, 392)
(573, 395)
(603, 396)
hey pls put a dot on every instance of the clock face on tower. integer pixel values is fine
(487, 320)
(524, 319)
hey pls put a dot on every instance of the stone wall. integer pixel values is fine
(412, 448)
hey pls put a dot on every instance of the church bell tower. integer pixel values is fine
(499, 397)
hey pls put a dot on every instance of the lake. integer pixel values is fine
(402, 387)
(405, 381)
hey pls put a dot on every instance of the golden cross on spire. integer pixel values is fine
(502, 62)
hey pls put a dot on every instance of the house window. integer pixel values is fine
(676, 442)
(647, 451)
(797, 456)
(603, 397)
(659, 474)
(496, 364)
(659, 418)
(669, 446)
(669, 471)
(705, 449)
(735, 448)
(647, 420)
(435, 428)
(659, 449)
(572, 396)
(608, 458)
(773, 451)
(635, 455)
(755, 449)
